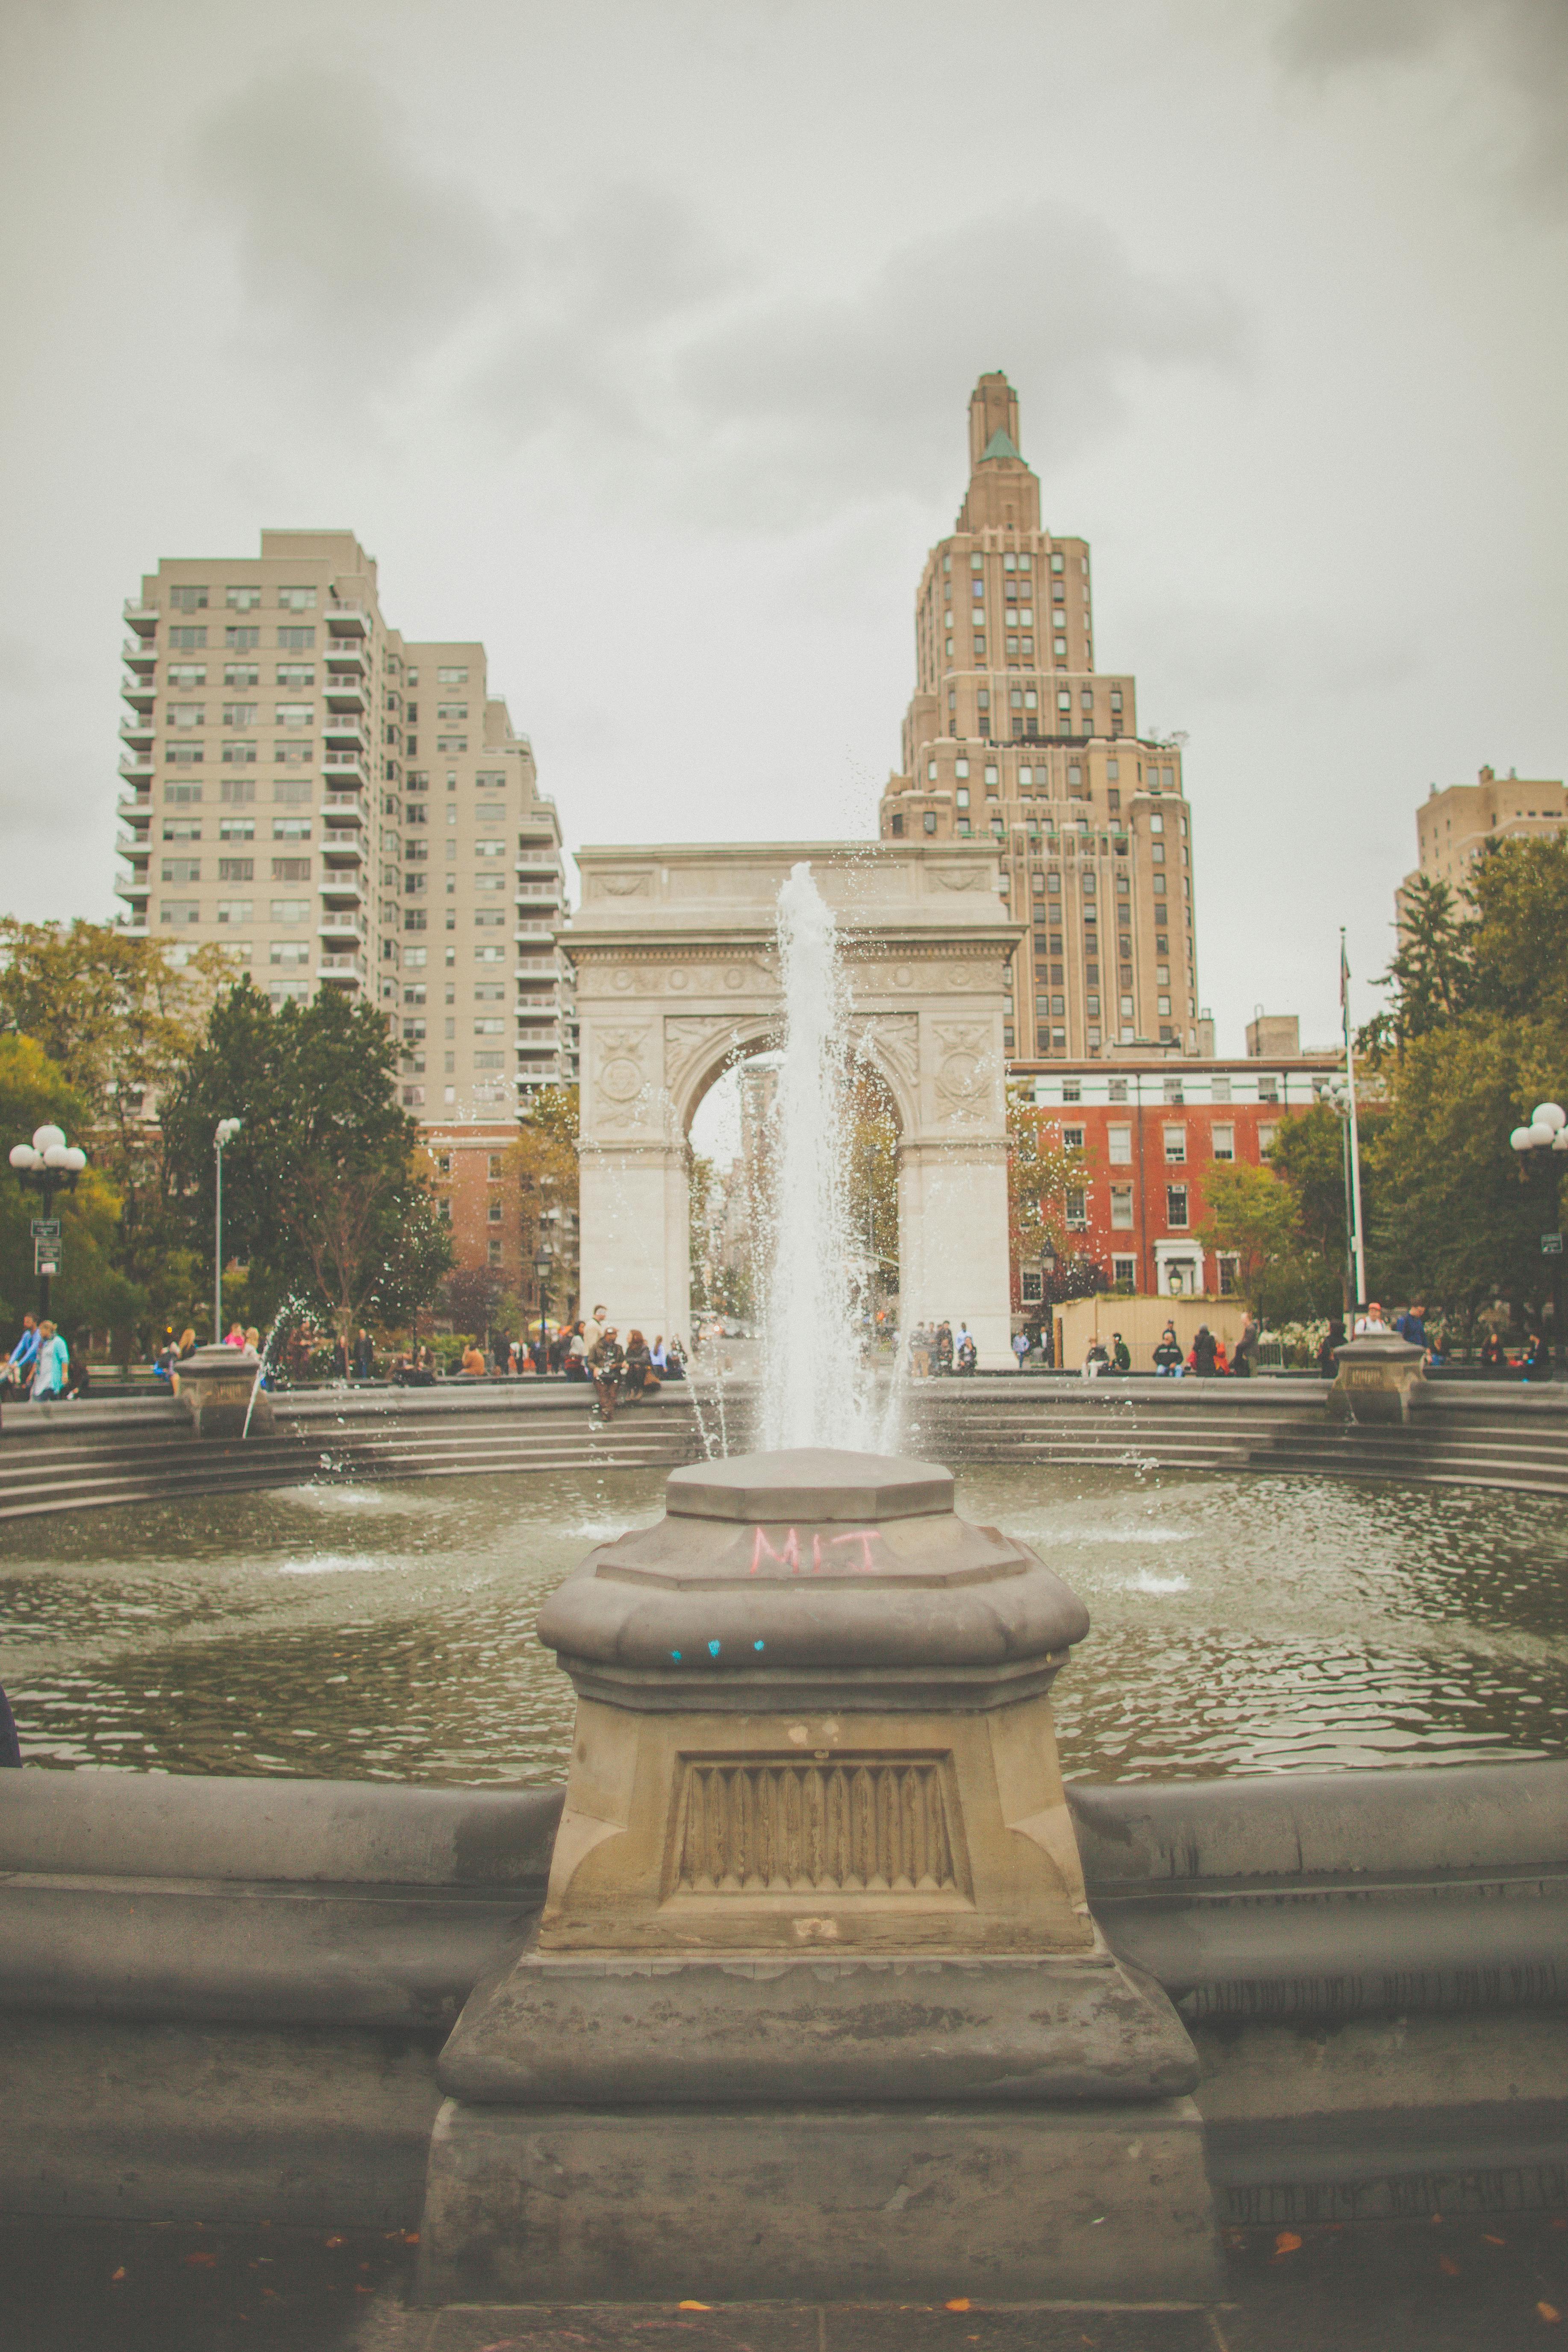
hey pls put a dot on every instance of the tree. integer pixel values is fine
(543, 1164)
(1251, 1213)
(1431, 972)
(1308, 1152)
(1459, 1218)
(119, 1017)
(871, 1192)
(1040, 1174)
(322, 1196)
(1519, 970)
(469, 1298)
(89, 1294)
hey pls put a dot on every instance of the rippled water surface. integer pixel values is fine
(1238, 1624)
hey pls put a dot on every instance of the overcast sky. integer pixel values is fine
(636, 339)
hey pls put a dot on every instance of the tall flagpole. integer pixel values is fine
(1357, 1244)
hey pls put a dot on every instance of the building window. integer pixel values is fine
(1077, 1207)
(297, 600)
(1031, 1288)
(1119, 1143)
(495, 1213)
(1229, 1275)
(181, 910)
(237, 869)
(1223, 1142)
(289, 951)
(1122, 1206)
(1176, 1207)
(234, 910)
(929, 821)
(1124, 1274)
(493, 1254)
(1265, 1136)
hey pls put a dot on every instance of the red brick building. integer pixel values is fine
(1149, 1132)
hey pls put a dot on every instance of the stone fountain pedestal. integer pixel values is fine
(216, 1388)
(1381, 1379)
(816, 2008)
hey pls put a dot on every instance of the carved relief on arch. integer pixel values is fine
(965, 1067)
(696, 1045)
(621, 1078)
(893, 1040)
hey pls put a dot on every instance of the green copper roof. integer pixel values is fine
(1000, 445)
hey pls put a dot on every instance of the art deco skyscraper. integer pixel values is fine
(1013, 735)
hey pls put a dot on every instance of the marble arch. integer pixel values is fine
(677, 972)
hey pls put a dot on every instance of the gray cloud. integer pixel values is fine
(809, 401)
(1521, 47)
(337, 226)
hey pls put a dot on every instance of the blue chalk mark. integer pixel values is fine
(756, 1646)
(676, 1655)
(712, 1649)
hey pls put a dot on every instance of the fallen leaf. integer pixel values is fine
(1449, 2269)
(957, 2303)
(694, 2306)
(115, 2276)
(1550, 2313)
(1286, 2242)
(411, 2237)
(1489, 2239)
(203, 2262)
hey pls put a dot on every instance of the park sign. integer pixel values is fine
(1551, 1244)
(46, 1229)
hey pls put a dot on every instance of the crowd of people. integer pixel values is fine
(1206, 1360)
(935, 1349)
(41, 1366)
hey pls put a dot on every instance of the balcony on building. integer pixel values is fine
(346, 695)
(343, 810)
(342, 851)
(137, 731)
(347, 658)
(143, 618)
(343, 767)
(342, 890)
(341, 727)
(133, 888)
(139, 692)
(136, 655)
(339, 926)
(342, 966)
(134, 809)
(137, 767)
(348, 621)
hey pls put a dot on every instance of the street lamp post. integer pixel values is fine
(49, 1165)
(1544, 1144)
(225, 1132)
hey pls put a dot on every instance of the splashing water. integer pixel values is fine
(815, 1390)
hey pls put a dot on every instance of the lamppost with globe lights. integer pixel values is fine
(48, 1165)
(1544, 1144)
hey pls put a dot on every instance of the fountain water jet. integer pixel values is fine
(817, 1389)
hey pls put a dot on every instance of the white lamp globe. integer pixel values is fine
(23, 1156)
(1551, 1115)
(75, 1160)
(48, 1137)
(1523, 1138)
(1542, 1136)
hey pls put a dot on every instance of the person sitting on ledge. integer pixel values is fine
(474, 1359)
(638, 1376)
(1168, 1354)
(603, 1359)
(1537, 1364)
(1096, 1359)
(1205, 1348)
(1121, 1355)
(1494, 1355)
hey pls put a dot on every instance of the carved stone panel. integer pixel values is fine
(964, 1071)
(853, 1825)
(620, 1075)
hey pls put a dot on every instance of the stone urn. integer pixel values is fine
(815, 1970)
(217, 1385)
(1381, 1377)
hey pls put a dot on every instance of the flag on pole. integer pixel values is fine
(1344, 975)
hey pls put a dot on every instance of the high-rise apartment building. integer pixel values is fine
(340, 807)
(1455, 826)
(1013, 735)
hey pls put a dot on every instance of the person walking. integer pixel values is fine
(1412, 1327)
(52, 1364)
(340, 1357)
(1333, 1339)
(603, 1359)
(1021, 1347)
(364, 1356)
(18, 1368)
(592, 1330)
